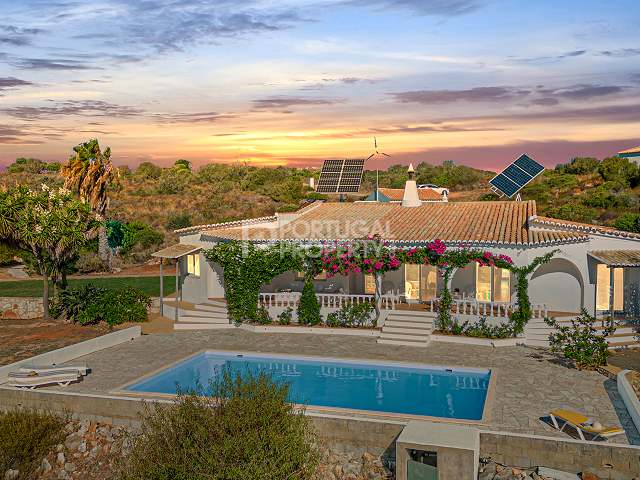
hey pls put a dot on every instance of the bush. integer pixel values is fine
(178, 220)
(148, 171)
(245, 430)
(482, 329)
(309, 308)
(286, 317)
(26, 436)
(354, 315)
(581, 342)
(89, 262)
(90, 304)
(263, 317)
(140, 234)
(629, 222)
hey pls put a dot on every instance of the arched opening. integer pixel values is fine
(559, 285)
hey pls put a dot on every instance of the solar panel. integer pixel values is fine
(341, 176)
(513, 178)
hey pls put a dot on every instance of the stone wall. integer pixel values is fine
(31, 307)
(607, 460)
(20, 307)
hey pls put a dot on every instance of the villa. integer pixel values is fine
(596, 267)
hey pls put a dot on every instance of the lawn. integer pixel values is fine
(33, 288)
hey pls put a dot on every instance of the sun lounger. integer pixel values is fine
(31, 380)
(82, 370)
(582, 424)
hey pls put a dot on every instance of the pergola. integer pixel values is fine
(173, 252)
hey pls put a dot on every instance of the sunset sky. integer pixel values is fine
(293, 82)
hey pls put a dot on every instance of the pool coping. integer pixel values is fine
(371, 414)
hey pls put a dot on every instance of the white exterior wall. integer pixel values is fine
(567, 283)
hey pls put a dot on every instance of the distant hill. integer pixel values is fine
(585, 189)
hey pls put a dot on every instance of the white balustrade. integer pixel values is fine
(326, 300)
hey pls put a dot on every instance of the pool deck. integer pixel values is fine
(529, 383)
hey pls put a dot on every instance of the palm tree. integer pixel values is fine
(89, 173)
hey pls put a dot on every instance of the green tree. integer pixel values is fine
(182, 165)
(52, 226)
(89, 173)
(580, 166)
(619, 169)
(308, 307)
(148, 171)
(32, 165)
(629, 222)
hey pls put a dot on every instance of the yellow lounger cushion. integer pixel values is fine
(579, 421)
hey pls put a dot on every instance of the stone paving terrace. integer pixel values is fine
(529, 382)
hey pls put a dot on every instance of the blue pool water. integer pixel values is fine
(380, 387)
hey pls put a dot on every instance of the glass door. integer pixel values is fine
(429, 282)
(411, 281)
(501, 285)
(483, 283)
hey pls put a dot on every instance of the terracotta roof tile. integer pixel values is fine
(537, 221)
(617, 258)
(502, 222)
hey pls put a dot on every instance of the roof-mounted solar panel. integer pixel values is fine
(513, 178)
(341, 176)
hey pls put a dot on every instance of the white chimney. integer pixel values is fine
(411, 197)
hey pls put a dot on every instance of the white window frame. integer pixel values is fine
(492, 284)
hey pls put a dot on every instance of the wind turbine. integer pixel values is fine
(375, 150)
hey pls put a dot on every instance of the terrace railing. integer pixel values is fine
(478, 308)
(326, 300)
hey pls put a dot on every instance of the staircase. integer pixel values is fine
(537, 334)
(407, 327)
(209, 315)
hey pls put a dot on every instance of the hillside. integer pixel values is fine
(155, 200)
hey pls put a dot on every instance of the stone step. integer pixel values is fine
(536, 343)
(404, 336)
(210, 319)
(216, 301)
(401, 323)
(627, 344)
(202, 326)
(408, 331)
(421, 344)
(211, 308)
(412, 313)
(200, 313)
(418, 320)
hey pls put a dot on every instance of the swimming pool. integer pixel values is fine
(387, 387)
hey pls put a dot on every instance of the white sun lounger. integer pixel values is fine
(80, 369)
(31, 381)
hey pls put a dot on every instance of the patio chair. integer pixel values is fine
(582, 424)
(32, 380)
(80, 369)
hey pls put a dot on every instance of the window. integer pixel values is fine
(369, 285)
(483, 283)
(420, 282)
(502, 285)
(193, 264)
(603, 285)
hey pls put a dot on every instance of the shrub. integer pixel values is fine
(353, 315)
(140, 234)
(26, 436)
(178, 220)
(581, 342)
(263, 317)
(148, 171)
(89, 262)
(245, 430)
(90, 304)
(309, 308)
(286, 317)
(629, 222)
(482, 329)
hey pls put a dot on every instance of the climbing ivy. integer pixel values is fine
(523, 313)
(246, 268)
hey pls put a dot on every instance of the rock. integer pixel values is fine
(59, 447)
(554, 474)
(589, 476)
(337, 471)
(11, 474)
(60, 458)
(46, 466)
(351, 468)
(70, 467)
(82, 447)
(73, 441)
(63, 475)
